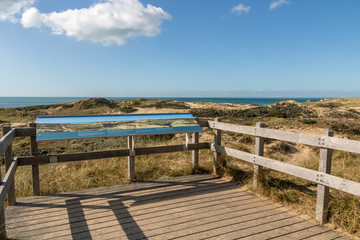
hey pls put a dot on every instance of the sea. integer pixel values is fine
(14, 102)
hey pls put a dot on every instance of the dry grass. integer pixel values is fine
(62, 177)
(297, 194)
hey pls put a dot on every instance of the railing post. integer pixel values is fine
(195, 153)
(2, 219)
(217, 141)
(259, 150)
(131, 158)
(323, 191)
(35, 168)
(8, 160)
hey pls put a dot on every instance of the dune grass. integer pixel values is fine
(297, 194)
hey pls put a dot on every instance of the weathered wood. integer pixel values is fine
(187, 140)
(34, 168)
(131, 158)
(8, 156)
(25, 132)
(217, 141)
(203, 123)
(304, 173)
(6, 140)
(259, 150)
(200, 209)
(302, 138)
(70, 157)
(2, 218)
(195, 153)
(172, 148)
(7, 181)
(2, 224)
(323, 191)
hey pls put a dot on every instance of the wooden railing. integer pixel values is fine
(7, 187)
(322, 177)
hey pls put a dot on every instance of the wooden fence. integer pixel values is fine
(326, 142)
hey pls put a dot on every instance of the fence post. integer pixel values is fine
(323, 191)
(131, 158)
(8, 160)
(259, 150)
(35, 168)
(195, 153)
(2, 218)
(217, 141)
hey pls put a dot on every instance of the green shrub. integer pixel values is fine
(308, 121)
(329, 105)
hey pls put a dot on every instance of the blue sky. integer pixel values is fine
(180, 48)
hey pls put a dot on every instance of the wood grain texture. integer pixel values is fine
(6, 140)
(302, 138)
(35, 167)
(131, 158)
(23, 161)
(304, 173)
(187, 207)
(195, 153)
(8, 157)
(259, 150)
(7, 181)
(25, 132)
(322, 199)
(217, 141)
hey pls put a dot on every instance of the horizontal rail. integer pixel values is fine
(304, 173)
(25, 132)
(34, 160)
(6, 141)
(303, 138)
(6, 183)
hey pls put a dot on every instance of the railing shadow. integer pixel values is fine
(164, 190)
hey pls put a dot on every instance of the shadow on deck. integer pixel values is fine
(188, 207)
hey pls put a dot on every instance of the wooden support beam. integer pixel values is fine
(8, 160)
(195, 153)
(217, 141)
(131, 158)
(35, 168)
(323, 191)
(2, 218)
(259, 150)
(71, 157)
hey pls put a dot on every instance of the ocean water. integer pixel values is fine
(13, 102)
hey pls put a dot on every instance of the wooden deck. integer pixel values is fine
(189, 207)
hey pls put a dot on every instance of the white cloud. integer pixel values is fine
(108, 22)
(241, 8)
(278, 3)
(8, 8)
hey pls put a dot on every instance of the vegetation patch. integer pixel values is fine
(329, 104)
(277, 110)
(161, 103)
(96, 102)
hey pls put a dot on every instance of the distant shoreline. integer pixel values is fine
(14, 102)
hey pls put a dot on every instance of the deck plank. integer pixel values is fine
(187, 207)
